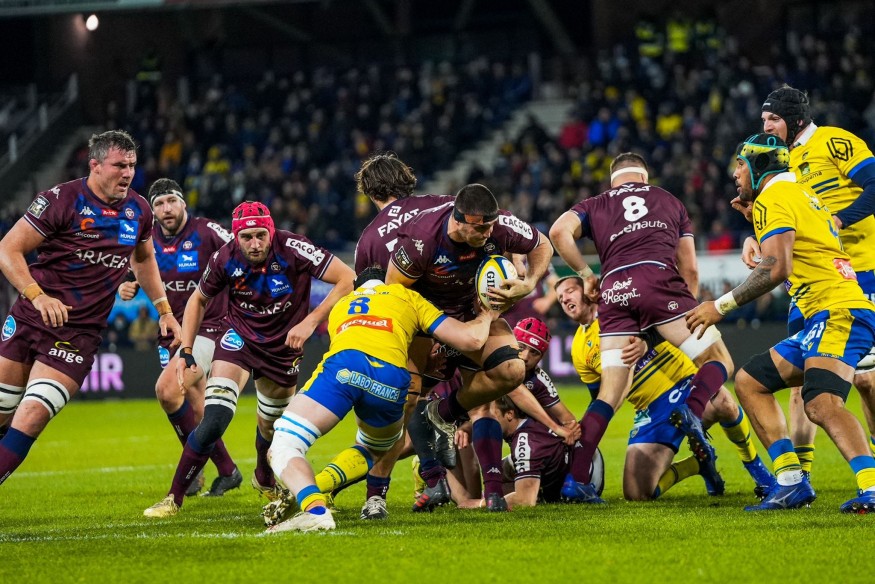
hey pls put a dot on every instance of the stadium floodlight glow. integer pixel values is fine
(92, 22)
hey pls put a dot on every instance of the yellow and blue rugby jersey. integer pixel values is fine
(822, 276)
(662, 368)
(381, 321)
(825, 160)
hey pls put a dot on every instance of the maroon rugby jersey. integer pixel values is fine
(538, 453)
(634, 223)
(182, 258)
(266, 301)
(541, 386)
(87, 249)
(380, 236)
(445, 270)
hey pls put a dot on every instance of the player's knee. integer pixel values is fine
(293, 437)
(633, 492)
(759, 375)
(709, 348)
(864, 383)
(271, 408)
(168, 394)
(48, 393)
(378, 444)
(223, 392)
(10, 397)
(819, 392)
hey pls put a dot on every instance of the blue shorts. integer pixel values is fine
(795, 320)
(843, 334)
(352, 380)
(651, 425)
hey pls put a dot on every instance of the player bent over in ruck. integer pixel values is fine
(365, 370)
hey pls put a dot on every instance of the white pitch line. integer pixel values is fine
(109, 469)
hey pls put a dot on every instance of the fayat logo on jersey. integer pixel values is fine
(231, 341)
(278, 285)
(127, 232)
(186, 261)
(9, 328)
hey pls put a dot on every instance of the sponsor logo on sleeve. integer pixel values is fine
(38, 205)
(310, 252)
(231, 341)
(127, 232)
(187, 261)
(516, 225)
(9, 328)
(402, 259)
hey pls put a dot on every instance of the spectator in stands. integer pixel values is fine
(143, 331)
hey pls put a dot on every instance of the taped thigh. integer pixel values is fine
(819, 381)
(10, 397)
(293, 435)
(271, 408)
(202, 350)
(378, 443)
(221, 391)
(694, 347)
(49, 393)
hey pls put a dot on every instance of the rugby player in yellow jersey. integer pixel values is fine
(660, 381)
(840, 168)
(365, 370)
(800, 244)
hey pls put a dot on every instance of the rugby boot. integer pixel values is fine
(166, 507)
(305, 521)
(787, 497)
(432, 497)
(686, 421)
(496, 503)
(765, 480)
(222, 485)
(374, 508)
(279, 510)
(861, 504)
(714, 483)
(447, 429)
(271, 492)
(196, 485)
(574, 492)
(444, 450)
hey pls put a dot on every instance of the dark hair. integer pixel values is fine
(505, 404)
(370, 273)
(576, 278)
(163, 186)
(628, 159)
(383, 176)
(476, 199)
(100, 144)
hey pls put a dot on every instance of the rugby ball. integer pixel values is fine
(492, 273)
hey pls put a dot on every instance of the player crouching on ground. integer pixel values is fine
(365, 369)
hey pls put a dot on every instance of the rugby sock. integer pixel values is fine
(738, 433)
(311, 500)
(785, 463)
(349, 466)
(592, 428)
(183, 423)
(433, 474)
(864, 467)
(486, 437)
(705, 385)
(13, 450)
(263, 472)
(193, 459)
(678, 471)
(377, 486)
(451, 410)
(805, 453)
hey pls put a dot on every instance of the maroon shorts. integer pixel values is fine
(276, 361)
(637, 298)
(66, 349)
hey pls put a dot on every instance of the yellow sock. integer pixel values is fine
(805, 452)
(347, 467)
(313, 500)
(678, 471)
(866, 479)
(738, 433)
(788, 461)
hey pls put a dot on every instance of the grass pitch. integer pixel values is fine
(73, 513)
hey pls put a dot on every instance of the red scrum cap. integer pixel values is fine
(251, 214)
(534, 333)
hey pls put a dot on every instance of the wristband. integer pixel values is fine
(31, 291)
(188, 357)
(163, 306)
(726, 303)
(585, 272)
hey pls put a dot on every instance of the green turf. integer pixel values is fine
(73, 512)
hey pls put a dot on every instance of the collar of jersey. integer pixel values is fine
(780, 177)
(806, 134)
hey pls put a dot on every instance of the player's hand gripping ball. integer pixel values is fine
(492, 273)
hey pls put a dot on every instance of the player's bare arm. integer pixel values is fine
(537, 260)
(751, 254)
(395, 276)
(528, 403)
(342, 276)
(20, 241)
(776, 265)
(525, 493)
(192, 317)
(688, 267)
(146, 270)
(466, 336)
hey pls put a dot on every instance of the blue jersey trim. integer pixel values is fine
(777, 231)
(436, 324)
